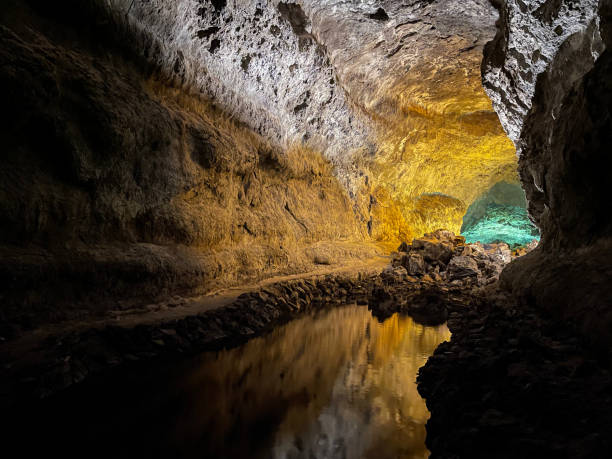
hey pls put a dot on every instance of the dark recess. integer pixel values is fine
(219, 4)
(205, 34)
(214, 45)
(295, 16)
(379, 15)
(244, 63)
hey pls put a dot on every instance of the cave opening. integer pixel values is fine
(500, 215)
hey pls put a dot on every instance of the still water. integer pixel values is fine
(337, 384)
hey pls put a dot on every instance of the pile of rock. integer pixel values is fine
(442, 256)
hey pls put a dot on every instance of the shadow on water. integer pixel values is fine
(337, 384)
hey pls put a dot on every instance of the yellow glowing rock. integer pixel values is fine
(440, 146)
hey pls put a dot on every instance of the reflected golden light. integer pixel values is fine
(337, 378)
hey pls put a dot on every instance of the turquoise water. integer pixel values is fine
(502, 223)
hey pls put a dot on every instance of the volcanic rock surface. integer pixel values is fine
(389, 91)
(164, 147)
(547, 73)
(117, 188)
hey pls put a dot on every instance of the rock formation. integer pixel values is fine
(172, 147)
(117, 188)
(547, 73)
(436, 270)
(390, 93)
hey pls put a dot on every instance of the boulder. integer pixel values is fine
(433, 250)
(404, 247)
(443, 235)
(459, 240)
(474, 250)
(394, 274)
(414, 264)
(490, 268)
(499, 253)
(525, 249)
(462, 267)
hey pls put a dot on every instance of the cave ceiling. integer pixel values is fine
(390, 91)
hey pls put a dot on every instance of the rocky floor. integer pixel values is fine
(44, 362)
(509, 383)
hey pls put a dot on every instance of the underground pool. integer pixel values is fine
(336, 383)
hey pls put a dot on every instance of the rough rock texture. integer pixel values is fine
(437, 274)
(502, 193)
(512, 383)
(389, 91)
(116, 187)
(446, 257)
(258, 60)
(533, 39)
(549, 77)
(132, 169)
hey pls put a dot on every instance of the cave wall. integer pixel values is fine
(389, 91)
(416, 75)
(500, 214)
(258, 60)
(170, 147)
(117, 188)
(548, 73)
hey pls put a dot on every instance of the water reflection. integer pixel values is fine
(335, 385)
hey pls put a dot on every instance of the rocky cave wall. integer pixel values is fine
(389, 91)
(500, 214)
(548, 74)
(162, 147)
(118, 189)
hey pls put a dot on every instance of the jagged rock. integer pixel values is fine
(480, 387)
(394, 274)
(524, 250)
(462, 267)
(489, 268)
(498, 253)
(548, 75)
(471, 250)
(414, 264)
(433, 250)
(459, 240)
(404, 247)
(442, 235)
(441, 256)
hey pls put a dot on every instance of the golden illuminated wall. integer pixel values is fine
(439, 144)
(440, 147)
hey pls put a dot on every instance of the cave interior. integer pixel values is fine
(307, 228)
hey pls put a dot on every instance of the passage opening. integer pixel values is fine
(500, 215)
